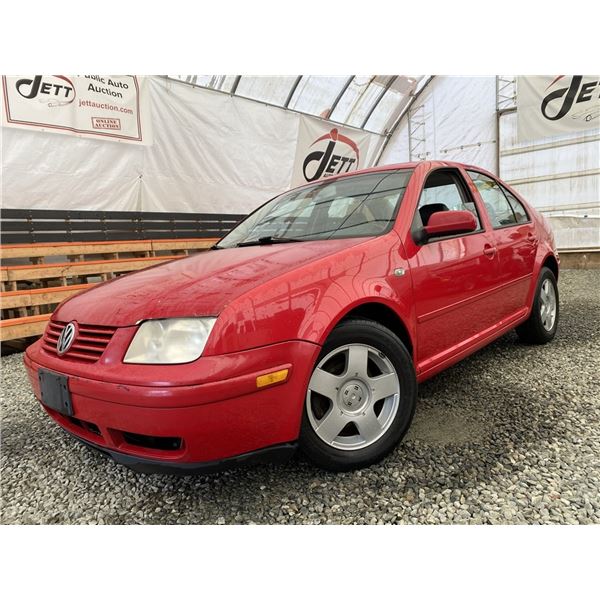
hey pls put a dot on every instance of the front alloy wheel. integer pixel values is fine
(360, 397)
(353, 396)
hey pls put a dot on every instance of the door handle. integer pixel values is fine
(531, 237)
(489, 251)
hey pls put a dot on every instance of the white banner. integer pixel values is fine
(324, 150)
(96, 106)
(557, 104)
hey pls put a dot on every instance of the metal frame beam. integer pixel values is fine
(234, 87)
(279, 106)
(383, 92)
(506, 96)
(549, 145)
(417, 138)
(554, 177)
(292, 90)
(403, 112)
(339, 96)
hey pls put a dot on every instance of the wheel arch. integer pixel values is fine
(551, 262)
(384, 315)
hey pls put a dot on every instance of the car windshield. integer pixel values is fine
(360, 206)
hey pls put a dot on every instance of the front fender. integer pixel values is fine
(308, 302)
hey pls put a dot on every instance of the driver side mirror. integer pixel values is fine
(450, 222)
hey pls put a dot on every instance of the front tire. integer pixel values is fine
(360, 399)
(540, 327)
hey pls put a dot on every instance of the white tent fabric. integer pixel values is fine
(455, 119)
(49, 170)
(217, 152)
(212, 152)
(370, 102)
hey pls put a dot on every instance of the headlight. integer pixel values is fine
(169, 341)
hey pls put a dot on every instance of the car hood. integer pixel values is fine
(199, 285)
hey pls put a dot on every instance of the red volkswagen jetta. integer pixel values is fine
(308, 325)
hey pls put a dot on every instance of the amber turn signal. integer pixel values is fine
(271, 378)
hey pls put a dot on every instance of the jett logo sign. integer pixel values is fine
(333, 153)
(53, 90)
(563, 96)
(93, 106)
(551, 105)
(324, 150)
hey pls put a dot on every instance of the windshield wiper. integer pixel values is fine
(269, 239)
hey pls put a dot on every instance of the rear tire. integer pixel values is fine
(360, 399)
(540, 327)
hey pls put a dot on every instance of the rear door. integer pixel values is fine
(515, 239)
(454, 276)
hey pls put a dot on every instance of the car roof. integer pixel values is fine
(399, 166)
(412, 165)
(429, 164)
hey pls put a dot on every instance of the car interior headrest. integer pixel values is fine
(428, 209)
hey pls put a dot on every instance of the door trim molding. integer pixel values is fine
(439, 362)
(438, 312)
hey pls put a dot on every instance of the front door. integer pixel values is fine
(453, 277)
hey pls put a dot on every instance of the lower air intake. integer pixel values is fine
(152, 442)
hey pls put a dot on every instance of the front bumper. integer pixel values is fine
(278, 454)
(217, 423)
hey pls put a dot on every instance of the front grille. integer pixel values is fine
(90, 341)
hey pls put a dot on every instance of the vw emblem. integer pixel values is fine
(66, 338)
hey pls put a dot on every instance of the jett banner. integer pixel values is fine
(325, 149)
(97, 106)
(557, 104)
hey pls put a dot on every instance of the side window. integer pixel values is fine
(499, 210)
(441, 192)
(517, 206)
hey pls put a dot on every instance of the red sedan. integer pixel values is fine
(308, 325)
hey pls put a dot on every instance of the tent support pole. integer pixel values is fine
(379, 99)
(292, 91)
(392, 130)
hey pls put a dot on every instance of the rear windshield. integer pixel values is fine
(365, 205)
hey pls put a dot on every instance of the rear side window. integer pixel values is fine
(517, 206)
(498, 207)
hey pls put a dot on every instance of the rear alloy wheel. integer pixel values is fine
(541, 325)
(360, 398)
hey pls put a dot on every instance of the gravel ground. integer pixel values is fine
(510, 435)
